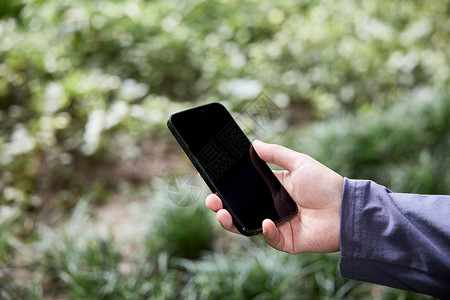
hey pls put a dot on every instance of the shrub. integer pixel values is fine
(183, 232)
(403, 147)
(257, 274)
(80, 261)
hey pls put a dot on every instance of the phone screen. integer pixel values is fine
(230, 166)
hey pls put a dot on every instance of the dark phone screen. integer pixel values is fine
(241, 178)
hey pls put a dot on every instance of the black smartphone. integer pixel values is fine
(230, 166)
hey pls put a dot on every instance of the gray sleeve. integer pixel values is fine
(393, 239)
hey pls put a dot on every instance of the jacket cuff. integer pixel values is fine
(350, 234)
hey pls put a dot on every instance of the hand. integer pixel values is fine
(316, 189)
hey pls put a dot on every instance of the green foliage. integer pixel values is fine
(85, 90)
(95, 266)
(404, 147)
(10, 8)
(82, 82)
(89, 270)
(336, 55)
(263, 273)
(183, 232)
(260, 274)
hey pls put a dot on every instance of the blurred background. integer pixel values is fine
(97, 199)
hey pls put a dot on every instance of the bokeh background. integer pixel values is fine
(88, 166)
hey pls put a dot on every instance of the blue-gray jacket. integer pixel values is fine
(393, 239)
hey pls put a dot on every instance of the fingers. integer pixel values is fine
(213, 202)
(272, 235)
(275, 154)
(225, 219)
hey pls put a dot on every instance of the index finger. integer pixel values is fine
(213, 202)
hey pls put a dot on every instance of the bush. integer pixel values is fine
(82, 262)
(263, 273)
(257, 274)
(403, 147)
(182, 232)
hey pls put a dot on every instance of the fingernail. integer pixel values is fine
(264, 228)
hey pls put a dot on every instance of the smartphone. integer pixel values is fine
(230, 166)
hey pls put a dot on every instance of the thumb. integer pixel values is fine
(276, 154)
(272, 235)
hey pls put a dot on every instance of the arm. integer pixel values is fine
(398, 240)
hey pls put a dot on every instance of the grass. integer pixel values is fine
(184, 232)
(82, 262)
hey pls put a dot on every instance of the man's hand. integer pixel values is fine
(316, 189)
